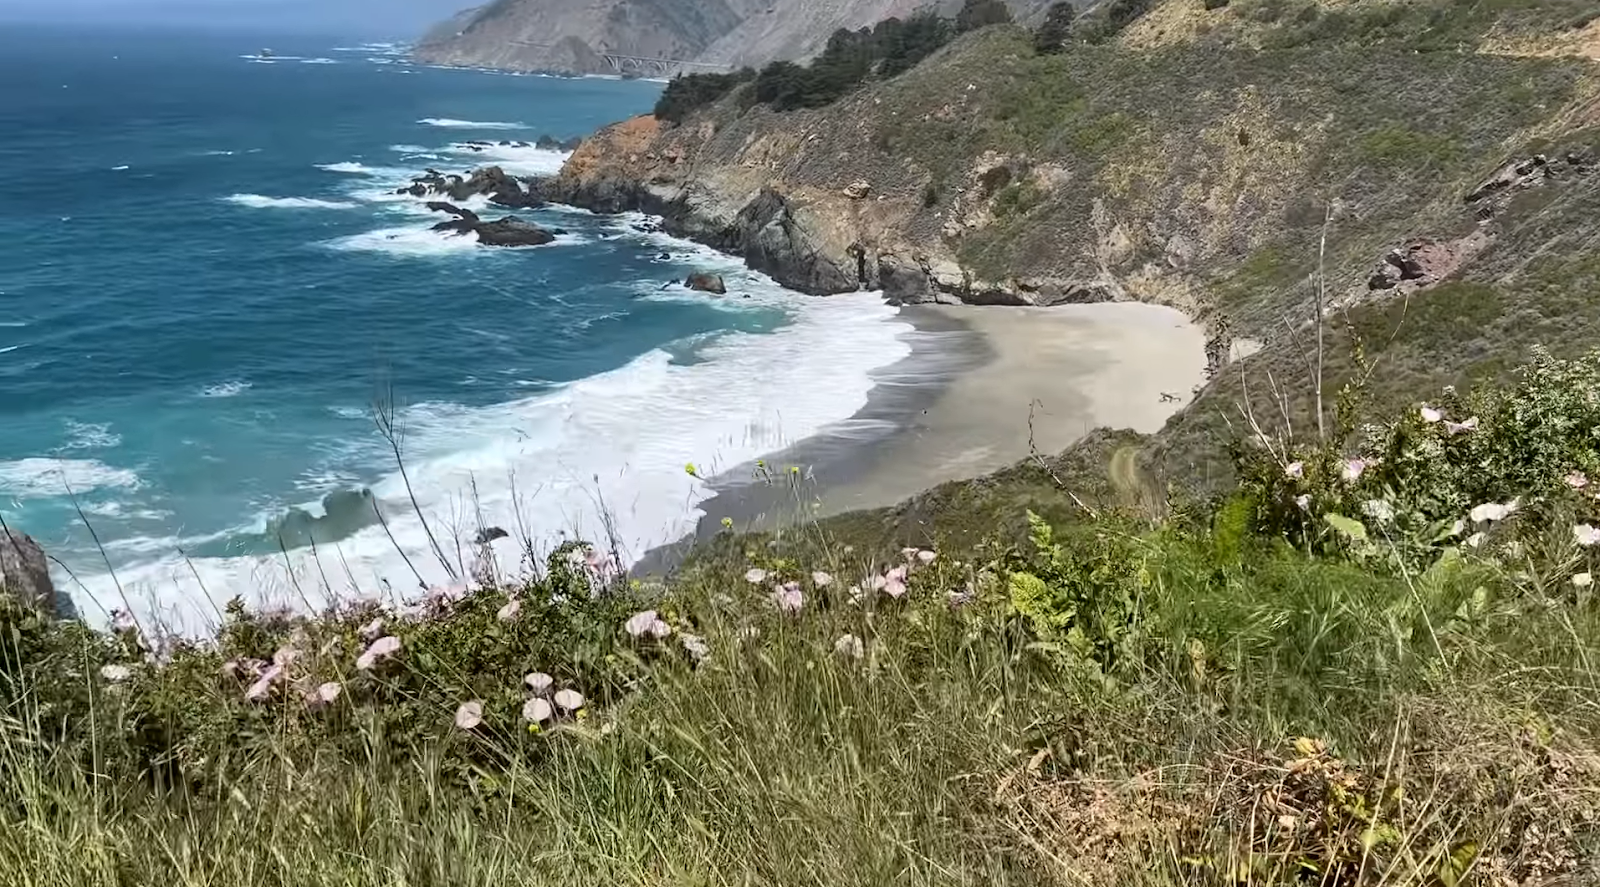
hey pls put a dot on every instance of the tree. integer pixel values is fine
(1053, 33)
(977, 14)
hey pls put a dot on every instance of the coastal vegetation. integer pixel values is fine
(1370, 662)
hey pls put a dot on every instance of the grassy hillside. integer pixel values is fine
(1268, 691)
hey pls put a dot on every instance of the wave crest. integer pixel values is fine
(260, 201)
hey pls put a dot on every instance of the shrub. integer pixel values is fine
(1053, 33)
(688, 93)
(977, 14)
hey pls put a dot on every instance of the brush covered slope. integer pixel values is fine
(1431, 164)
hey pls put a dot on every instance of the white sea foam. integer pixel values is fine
(547, 463)
(259, 201)
(318, 61)
(352, 168)
(231, 388)
(451, 123)
(408, 242)
(527, 161)
(119, 168)
(10, 348)
(43, 478)
(91, 436)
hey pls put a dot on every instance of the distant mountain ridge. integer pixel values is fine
(578, 36)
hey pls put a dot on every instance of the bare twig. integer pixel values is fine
(1322, 302)
(385, 415)
(1033, 451)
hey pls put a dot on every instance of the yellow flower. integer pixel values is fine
(690, 470)
(794, 469)
(727, 523)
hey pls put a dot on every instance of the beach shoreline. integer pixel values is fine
(983, 388)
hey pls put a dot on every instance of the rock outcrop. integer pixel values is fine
(706, 283)
(25, 576)
(492, 182)
(507, 231)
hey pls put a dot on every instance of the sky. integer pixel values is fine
(377, 18)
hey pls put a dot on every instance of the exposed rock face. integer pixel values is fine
(508, 231)
(706, 283)
(493, 182)
(593, 37)
(25, 575)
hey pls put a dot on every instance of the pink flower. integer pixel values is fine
(821, 579)
(1585, 535)
(381, 649)
(469, 715)
(372, 630)
(893, 583)
(1353, 469)
(1430, 415)
(122, 620)
(1492, 511)
(285, 656)
(508, 613)
(755, 576)
(1295, 470)
(569, 700)
(909, 554)
(927, 557)
(539, 682)
(601, 564)
(647, 624)
(1462, 427)
(262, 688)
(1577, 480)
(537, 710)
(323, 696)
(788, 597)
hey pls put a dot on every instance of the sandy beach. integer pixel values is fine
(959, 406)
(1079, 367)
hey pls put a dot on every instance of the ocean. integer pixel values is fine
(211, 293)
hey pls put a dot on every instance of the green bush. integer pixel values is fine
(688, 93)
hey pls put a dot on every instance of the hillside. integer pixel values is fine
(544, 35)
(1193, 159)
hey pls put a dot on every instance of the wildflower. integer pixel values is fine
(122, 620)
(232, 669)
(285, 656)
(1462, 427)
(600, 564)
(1430, 415)
(1475, 540)
(788, 597)
(1577, 480)
(537, 710)
(508, 613)
(755, 576)
(1295, 470)
(115, 674)
(695, 646)
(821, 579)
(727, 523)
(927, 557)
(539, 682)
(909, 554)
(1585, 535)
(1492, 511)
(1582, 580)
(894, 582)
(959, 597)
(690, 470)
(850, 647)
(329, 692)
(1459, 527)
(262, 688)
(371, 631)
(569, 700)
(469, 715)
(1303, 501)
(381, 649)
(647, 624)
(857, 595)
(1378, 509)
(1353, 469)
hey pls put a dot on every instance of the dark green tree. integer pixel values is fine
(977, 14)
(1052, 35)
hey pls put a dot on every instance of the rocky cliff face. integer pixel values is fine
(576, 37)
(1441, 196)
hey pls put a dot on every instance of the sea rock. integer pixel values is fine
(508, 231)
(25, 576)
(706, 283)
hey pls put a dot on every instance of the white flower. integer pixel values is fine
(821, 579)
(1303, 501)
(381, 649)
(756, 576)
(1353, 469)
(1462, 427)
(509, 612)
(695, 645)
(1459, 527)
(1585, 535)
(1431, 415)
(372, 630)
(1492, 511)
(927, 557)
(1577, 480)
(469, 715)
(909, 554)
(329, 692)
(638, 625)
(850, 647)
(539, 682)
(1583, 580)
(115, 674)
(1378, 509)
(537, 710)
(1475, 540)
(569, 700)
(1295, 470)
(262, 688)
